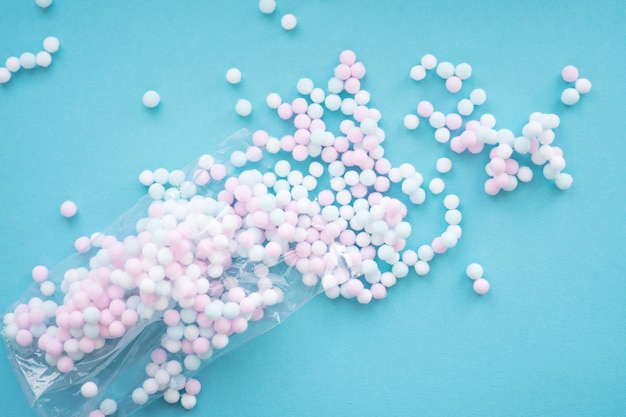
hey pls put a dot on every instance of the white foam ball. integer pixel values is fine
(233, 75)
(570, 96)
(288, 21)
(474, 271)
(151, 99)
(243, 107)
(411, 121)
(267, 6)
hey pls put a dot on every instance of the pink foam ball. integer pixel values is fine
(254, 154)
(40, 273)
(239, 325)
(347, 57)
(454, 84)
(247, 305)
(329, 155)
(192, 386)
(287, 143)
(54, 347)
(299, 105)
(357, 70)
(491, 187)
(236, 294)
(425, 108)
(438, 246)
(300, 153)
(476, 147)
(569, 73)
(117, 329)
(285, 111)
(457, 145)
(481, 286)
(454, 121)
(501, 180)
(24, 337)
(201, 346)
(158, 356)
(218, 172)
(342, 72)
(96, 413)
(68, 209)
(378, 291)
(222, 325)
(511, 166)
(352, 85)
(354, 286)
(86, 345)
(326, 197)
(65, 364)
(358, 190)
(260, 138)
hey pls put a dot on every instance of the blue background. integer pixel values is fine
(548, 340)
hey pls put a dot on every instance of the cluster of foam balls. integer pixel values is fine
(29, 60)
(472, 135)
(220, 243)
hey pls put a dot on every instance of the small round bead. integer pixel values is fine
(444, 165)
(583, 85)
(481, 286)
(570, 96)
(474, 271)
(288, 21)
(151, 99)
(267, 6)
(68, 209)
(51, 44)
(243, 107)
(569, 73)
(233, 75)
(89, 389)
(411, 121)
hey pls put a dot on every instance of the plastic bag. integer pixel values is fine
(199, 266)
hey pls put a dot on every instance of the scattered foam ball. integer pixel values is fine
(481, 286)
(267, 6)
(418, 72)
(51, 44)
(151, 99)
(463, 71)
(40, 273)
(569, 73)
(68, 209)
(478, 96)
(429, 61)
(583, 85)
(474, 271)
(89, 389)
(411, 121)
(288, 21)
(5, 75)
(570, 96)
(233, 75)
(273, 100)
(43, 3)
(563, 181)
(188, 401)
(436, 185)
(444, 165)
(243, 107)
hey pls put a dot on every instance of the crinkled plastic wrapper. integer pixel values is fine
(193, 272)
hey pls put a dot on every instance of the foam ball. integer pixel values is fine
(411, 121)
(267, 6)
(233, 75)
(151, 99)
(89, 389)
(474, 271)
(68, 209)
(243, 107)
(570, 96)
(583, 85)
(481, 286)
(569, 73)
(51, 44)
(288, 21)
(43, 3)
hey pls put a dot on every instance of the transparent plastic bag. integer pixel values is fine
(191, 252)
